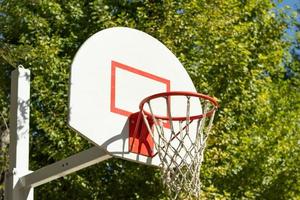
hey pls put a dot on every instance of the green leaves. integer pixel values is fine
(233, 50)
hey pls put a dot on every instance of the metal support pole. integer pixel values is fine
(19, 136)
(64, 167)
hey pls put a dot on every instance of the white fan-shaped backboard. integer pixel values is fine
(111, 73)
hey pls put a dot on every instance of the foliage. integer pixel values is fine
(232, 49)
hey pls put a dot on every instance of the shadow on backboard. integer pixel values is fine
(124, 153)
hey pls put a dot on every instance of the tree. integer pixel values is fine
(232, 49)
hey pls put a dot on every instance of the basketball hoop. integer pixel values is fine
(179, 138)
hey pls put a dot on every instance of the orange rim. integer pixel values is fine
(180, 93)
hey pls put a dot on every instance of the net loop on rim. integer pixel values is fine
(179, 141)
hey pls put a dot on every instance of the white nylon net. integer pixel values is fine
(180, 147)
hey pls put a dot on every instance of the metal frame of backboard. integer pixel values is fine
(19, 180)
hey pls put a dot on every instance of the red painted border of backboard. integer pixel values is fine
(114, 66)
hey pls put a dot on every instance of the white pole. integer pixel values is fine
(20, 181)
(19, 136)
(64, 167)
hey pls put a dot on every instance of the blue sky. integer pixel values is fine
(293, 6)
(292, 3)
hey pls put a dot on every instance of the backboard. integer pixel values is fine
(111, 73)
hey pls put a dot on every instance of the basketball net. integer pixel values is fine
(180, 151)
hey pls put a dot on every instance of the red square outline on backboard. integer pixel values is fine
(114, 66)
